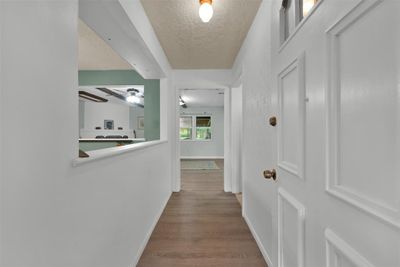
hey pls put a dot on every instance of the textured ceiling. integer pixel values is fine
(203, 97)
(95, 53)
(191, 44)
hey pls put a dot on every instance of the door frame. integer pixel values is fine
(237, 83)
(236, 142)
(176, 183)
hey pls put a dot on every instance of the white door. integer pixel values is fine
(336, 94)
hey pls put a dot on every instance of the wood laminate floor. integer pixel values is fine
(202, 226)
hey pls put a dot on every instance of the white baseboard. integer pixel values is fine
(202, 157)
(148, 235)
(258, 241)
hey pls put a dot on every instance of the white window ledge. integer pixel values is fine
(114, 151)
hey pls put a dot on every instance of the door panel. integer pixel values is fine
(291, 110)
(289, 118)
(341, 254)
(364, 110)
(290, 230)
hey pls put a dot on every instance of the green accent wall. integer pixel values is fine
(131, 77)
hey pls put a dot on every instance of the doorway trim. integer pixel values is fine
(236, 186)
(176, 183)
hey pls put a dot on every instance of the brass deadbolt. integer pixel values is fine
(273, 121)
(270, 174)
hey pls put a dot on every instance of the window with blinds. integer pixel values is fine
(203, 128)
(195, 127)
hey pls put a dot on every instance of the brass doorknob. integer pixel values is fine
(270, 174)
(273, 121)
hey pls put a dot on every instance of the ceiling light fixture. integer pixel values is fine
(206, 10)
(133, 99)
(182, 103)
(132, 96)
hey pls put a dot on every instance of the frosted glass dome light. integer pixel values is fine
(206, 11)
(133, 99)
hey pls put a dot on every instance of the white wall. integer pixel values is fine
(213, 148)
(92, 115)
(202, 79)
(139, 19)
(253, 66)
(95, 114)
(53, 214)
(134, 113)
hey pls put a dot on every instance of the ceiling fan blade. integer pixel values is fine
(111, 92)
(121, 91)
(114, 94)
(92, 97)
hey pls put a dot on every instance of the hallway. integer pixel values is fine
(293, 103)
(202, 226)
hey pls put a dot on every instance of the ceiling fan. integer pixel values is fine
(131, 95)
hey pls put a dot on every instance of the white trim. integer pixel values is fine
(148, 235)
(296, 170)
(176, 180)
(237, 80)
(334, 242)
(236, 139)
(2, 104)
(283, 195)
(355, 13)
(202, 157)
(258, 241)
(115, 151)
(383, 211)
(227, 141)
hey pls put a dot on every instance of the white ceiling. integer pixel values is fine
(191, 44)
(194, 98)
(95, 53)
